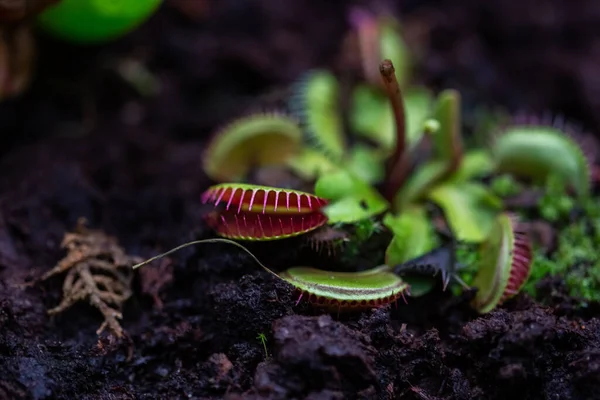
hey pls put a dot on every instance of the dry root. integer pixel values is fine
(155, 278)
(98, 271)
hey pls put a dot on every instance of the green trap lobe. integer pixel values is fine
(251, 142)
(315, 102)
(536, 152)
(374, 284)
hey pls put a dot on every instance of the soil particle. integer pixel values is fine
(315, 355)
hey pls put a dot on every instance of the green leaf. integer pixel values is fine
(366, 163)
(419, 285)
(351, 198)
(417, 182)
(418, 102)
(475, 163)
(372, 116)
(448, 140)
(310, 164)
(470, 209)
(413, 235)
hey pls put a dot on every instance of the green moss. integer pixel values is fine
(555, 205)
(360, 232)
(576, 257)
(365, 229)
(467, 258)
(505, 185)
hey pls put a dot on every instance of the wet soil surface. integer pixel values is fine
(84, 143)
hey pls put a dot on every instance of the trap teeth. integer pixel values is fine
(253, 212)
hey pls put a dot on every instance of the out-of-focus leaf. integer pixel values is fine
(470, 209)
(351, 199)
(413, 235)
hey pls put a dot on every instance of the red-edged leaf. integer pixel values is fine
(262, 199)
(259, 226)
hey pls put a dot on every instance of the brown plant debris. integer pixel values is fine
(99, 271)
(155, 278)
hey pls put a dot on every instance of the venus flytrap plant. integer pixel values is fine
(376, 173)
(342, 197)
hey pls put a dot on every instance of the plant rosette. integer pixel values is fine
(407, 154)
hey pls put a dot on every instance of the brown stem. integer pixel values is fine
(398, 165)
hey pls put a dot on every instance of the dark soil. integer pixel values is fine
(84, 143)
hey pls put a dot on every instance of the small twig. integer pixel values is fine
(155, 279)
(398, 165)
